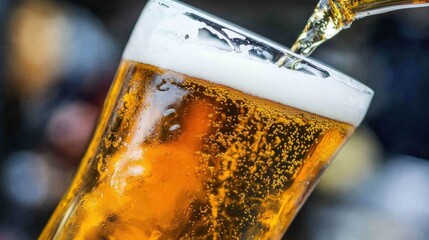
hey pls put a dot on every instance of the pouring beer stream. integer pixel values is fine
(332, 16)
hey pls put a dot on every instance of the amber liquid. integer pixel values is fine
(177, 157)
(332, 16)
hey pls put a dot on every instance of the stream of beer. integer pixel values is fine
(332, 16)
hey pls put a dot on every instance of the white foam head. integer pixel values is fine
(167, 36)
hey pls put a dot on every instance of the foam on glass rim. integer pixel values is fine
(169, 35)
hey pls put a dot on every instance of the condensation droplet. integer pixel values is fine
(169, 112)
(174, 127)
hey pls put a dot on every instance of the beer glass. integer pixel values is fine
(203, 136)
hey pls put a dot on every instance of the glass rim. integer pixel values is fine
(334, 73)
(174, 36)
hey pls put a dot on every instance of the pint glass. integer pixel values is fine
(203, 136)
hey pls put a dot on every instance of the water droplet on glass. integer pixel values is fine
(169, 112)
(174, 127)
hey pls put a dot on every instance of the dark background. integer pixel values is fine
(58, 58)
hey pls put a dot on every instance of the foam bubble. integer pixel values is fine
(167, 38)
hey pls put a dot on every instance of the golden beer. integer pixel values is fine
(332, 16)
(191, 147)
(215, 163)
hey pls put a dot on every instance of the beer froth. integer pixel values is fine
(337, 97)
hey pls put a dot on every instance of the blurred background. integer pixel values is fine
(58, 58)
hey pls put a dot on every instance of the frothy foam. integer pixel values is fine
(167, 38)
